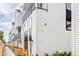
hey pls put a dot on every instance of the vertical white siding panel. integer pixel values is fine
(75, 25)
(54, 36)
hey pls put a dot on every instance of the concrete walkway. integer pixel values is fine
(8, 52)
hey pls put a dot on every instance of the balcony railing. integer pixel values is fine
(29, 11)
(43, 6)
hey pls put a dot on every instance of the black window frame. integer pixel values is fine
(68, 18)
(40, 6)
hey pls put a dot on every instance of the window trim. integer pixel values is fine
(38, 7)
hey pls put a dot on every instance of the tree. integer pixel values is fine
(1, 35)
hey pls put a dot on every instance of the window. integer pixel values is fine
(68, 16)
(43, 6)
(39, 5)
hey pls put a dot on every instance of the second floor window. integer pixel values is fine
(39, 5)
(68, 16)
(43, 6)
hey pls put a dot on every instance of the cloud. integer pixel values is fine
(8, 5)
(7, 8)
(6, 18)
(5, 27)
(7, 11)
(7, 15)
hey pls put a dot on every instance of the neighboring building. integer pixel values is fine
(15, 32)
(18, 24)
(75, 29)
(41, 28)
(12, 35)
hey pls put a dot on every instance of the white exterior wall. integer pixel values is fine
(24, 28)
(12, 32)
(75, 29)
(18, 21)
(34, 32)
(54, 36)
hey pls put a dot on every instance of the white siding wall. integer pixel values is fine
(52, 37)
(34, 32)
(24, 28)
(18, 19)
(75, 27)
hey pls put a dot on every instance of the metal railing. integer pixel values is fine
(29, 11)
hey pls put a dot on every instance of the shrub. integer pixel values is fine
(61, 53)
(46, 54)
(69, 54)
(37, 55)
(65, 53)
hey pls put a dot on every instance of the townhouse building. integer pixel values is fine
(12, 35)
(49, 26)
(44, 27)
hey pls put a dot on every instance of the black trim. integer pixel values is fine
(42, 8)
(68, 18)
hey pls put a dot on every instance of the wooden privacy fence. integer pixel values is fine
(19, 51)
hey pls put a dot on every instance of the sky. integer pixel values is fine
(7, 15)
